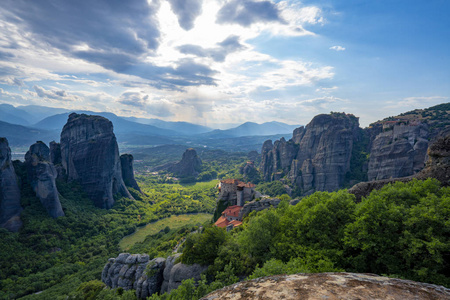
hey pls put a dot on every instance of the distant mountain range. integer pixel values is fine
(24, 125)
(252, 129)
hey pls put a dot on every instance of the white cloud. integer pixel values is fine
(55, 94)
(337, 48)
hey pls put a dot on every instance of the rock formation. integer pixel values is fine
(317, 157)
(55, 153)
(174, 274)
(90, 155)
(136, 271)
(126, 161)
(190, 164)
(350, 286)
(42, 175)
(437, 166)
(10, 208)
(398, 151)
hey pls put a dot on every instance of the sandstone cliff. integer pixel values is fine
(90, 155)
(349, 286)
(317, 157)
(42, 175)
(126, 161)
(190, 164)
(136, 271)
(10, 208)
(437, 166)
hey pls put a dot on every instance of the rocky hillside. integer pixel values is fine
(330, 286)
(332, 151)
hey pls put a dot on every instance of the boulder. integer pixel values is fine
(41, 175)
(90, 155)
(126, 161)
(258, 206)
(135, 271)
(351, 286)
(10, 208)
(174, 274)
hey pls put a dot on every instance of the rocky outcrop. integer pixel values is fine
(258, 206)
(349, 286)
(10, 208)
(398, 151)
(437, 166)
(126, 161)
(317, 157)
(135, 271)
(190, 164)
(174, 274)
(41, 176)
(90, 155)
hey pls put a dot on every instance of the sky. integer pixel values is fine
(227, 61)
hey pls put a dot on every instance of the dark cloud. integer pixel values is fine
(54, 94)
(187, 11)
(227, 46)
(117, 35)
(247, 12)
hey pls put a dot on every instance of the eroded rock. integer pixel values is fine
(126, 161)
(349, 286)
(10, 208)
(90, 155)
(135, 271)
(42, 175)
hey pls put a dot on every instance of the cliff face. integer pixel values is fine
(317, 157)
(350, 286)
(398, 151)
(90, 155)
(126, 161)
(190, 164)
(437, 166)
(42, 175)
(10, 208)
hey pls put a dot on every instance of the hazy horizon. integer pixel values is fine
(226, 62)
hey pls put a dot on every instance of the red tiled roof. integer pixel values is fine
(236, 223)
(230, 181)
(232, 211)
(222, 222)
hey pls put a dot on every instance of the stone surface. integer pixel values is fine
(135, 271)
(398, 151)
(55, 153)
(41, 176)
(90, 155)
(175, 273)
(126, 161)
(317, 157)
(348, 286)
(262, 204)
(10, 208)
(437, 166)
(190, 164)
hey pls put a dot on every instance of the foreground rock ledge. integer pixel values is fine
(330, 286)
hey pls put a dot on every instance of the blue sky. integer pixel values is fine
(227, 61)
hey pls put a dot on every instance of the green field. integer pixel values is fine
(173, 222)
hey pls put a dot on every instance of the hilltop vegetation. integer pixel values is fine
(402, 230)
(62, 253)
